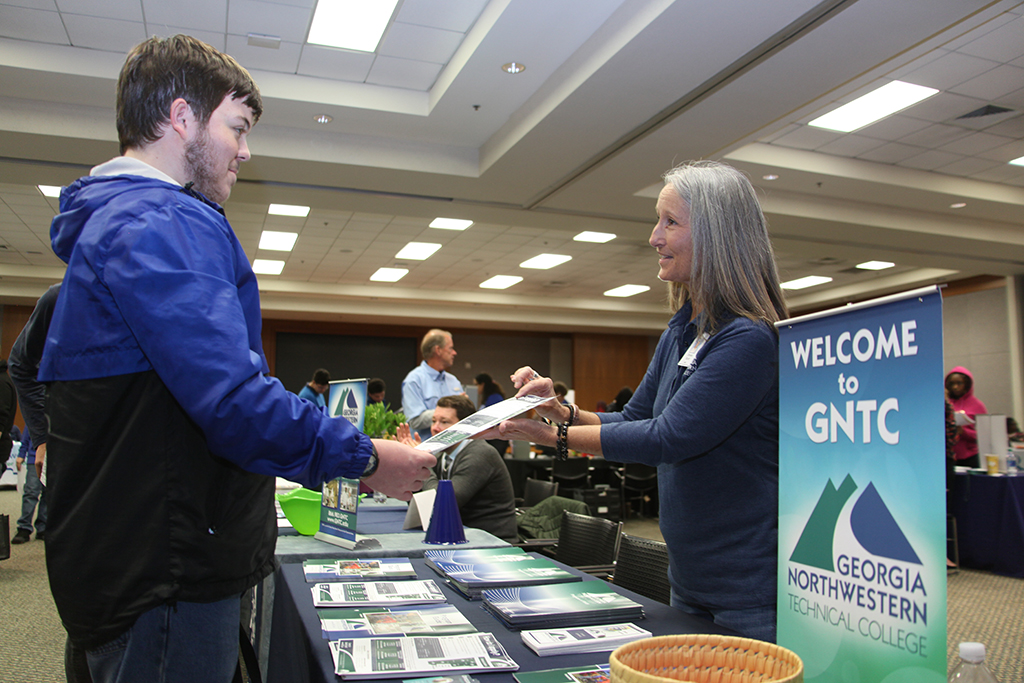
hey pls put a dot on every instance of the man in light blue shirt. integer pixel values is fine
(429, 381)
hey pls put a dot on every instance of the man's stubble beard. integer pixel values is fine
(200, 168)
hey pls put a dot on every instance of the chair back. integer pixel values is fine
(535, 490)
(642, 567)
(573, 473)
(587, 541)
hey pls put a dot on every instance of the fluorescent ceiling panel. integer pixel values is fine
(501, 282)
(350, 24)
(627, 290)
(875, 265)
(288, 210)
(267, 267)
(596, 237)
(389, 274)
(278, 241)
(1019, 161)
(805, 282)
(418, 251)
(54, 190)
(877, 104)
(545, 261)
(450, 223)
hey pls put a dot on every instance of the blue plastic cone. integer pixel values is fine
(445, 521)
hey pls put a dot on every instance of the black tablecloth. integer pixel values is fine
(299, 654)
(989, 512)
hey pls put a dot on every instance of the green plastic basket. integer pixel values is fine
(302, 508)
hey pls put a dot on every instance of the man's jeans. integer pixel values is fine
(32, 494)
(756, 622)
(186, 642)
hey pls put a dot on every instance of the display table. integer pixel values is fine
(299, 653)
(397, 544)
(989, 513)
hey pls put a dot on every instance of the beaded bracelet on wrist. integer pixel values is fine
(562, 444)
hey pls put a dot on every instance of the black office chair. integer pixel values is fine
(535, 490)
(638, 483)
(588, 543)
(573, 473)
(642, 567)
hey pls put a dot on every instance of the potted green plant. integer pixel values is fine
(379, 422)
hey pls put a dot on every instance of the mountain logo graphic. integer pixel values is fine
(870, 520)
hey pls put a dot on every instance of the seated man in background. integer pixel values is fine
(483, 487)
(316, 388)
(375, 390)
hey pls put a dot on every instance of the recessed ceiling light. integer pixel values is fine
(50, 190)
(450, 223)
(1019, 161)
(278, 241)
(877, 104)
(288, 210)
(418, 251)
(596, 237)
(769, 176)
(350, 24)
(958, 205)
(323, 118)
(627, 290)
(545, 261)
(389, 274)
(804, 282)
(875, 265)
(501, 282)
(513, 68)
(267, 267)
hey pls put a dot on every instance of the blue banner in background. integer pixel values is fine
(862, 510)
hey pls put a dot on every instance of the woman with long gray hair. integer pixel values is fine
(707, 411)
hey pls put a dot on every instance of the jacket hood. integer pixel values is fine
(966, 373)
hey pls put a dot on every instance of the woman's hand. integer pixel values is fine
(522, 429)
(407, 436)
(530, 383)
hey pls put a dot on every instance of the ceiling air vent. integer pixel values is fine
(987, 110)
(983, 117)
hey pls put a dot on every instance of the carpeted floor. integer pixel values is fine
(981, 607)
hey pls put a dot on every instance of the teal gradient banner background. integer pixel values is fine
(862, 532)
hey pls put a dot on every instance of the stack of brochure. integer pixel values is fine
(561, 605)
(376, 593)
(558, 641)
(471, 580)
(595, 673)
(363, 622)
(475, 556)
(419, 655)
(358, 569)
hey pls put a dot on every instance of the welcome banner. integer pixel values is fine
(862, 514)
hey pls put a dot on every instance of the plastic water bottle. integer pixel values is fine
(1012, 465)
(971, 668)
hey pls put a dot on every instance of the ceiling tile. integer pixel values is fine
(252, 16)
(944, 107)
(893, 127)
(453, 16)
(342, 65)
(128, 10)
(949, 70)
(49, 5)
(403, 73)
(420, 43)
(931, 160)
(975, 143)
(1003, 44)
(935, 135)
(807, 137)
(993, 84)
(112, 35)
(284, 59)
(32, 24)
(204, 15)
(891, 153)
(967, 166)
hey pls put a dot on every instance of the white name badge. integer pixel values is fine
(691, 353)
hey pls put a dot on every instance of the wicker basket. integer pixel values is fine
(704, 659)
